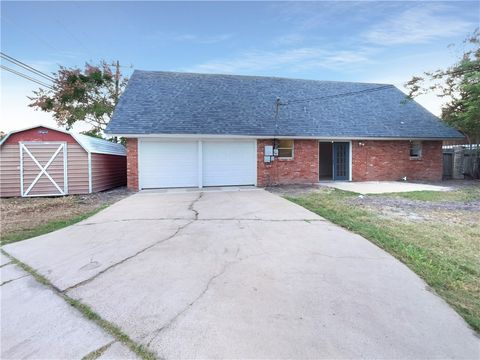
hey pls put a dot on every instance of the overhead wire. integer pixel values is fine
(31, 34)
(351, 93)
(26, 76)
(26, 67)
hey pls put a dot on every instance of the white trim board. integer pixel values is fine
(90, 184)
(326, 138)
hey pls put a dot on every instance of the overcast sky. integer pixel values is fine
(380, 42)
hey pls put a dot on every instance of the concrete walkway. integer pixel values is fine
(244, 274)
(37, 324)
(382, 187)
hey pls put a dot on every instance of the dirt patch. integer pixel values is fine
(383, 201)
(20, 214)
(296, 190)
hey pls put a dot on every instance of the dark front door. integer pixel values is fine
(341, 161)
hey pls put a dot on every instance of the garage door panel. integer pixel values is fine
(175, 163)
(229, 163)
(168, 164)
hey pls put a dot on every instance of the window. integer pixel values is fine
(415, 149)
(285, 149)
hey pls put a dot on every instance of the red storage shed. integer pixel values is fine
(42, 161)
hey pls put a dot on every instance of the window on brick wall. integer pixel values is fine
(415, 149)
(285, 149)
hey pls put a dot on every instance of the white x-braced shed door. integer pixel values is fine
(43, 168)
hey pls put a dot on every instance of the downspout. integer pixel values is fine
(275, 131)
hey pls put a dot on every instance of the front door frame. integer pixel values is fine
(346, 162)
(333, 159)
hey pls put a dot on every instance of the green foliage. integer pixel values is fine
(460, 84)
(88, 95)
(93, 133)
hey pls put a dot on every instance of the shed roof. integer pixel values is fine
(156, 102)
(99, 146)
(89, 143)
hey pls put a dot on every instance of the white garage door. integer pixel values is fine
(164, 163)
(229, 163)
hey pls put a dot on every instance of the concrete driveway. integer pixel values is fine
(245, 274)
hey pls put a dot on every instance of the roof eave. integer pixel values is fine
(228, 136)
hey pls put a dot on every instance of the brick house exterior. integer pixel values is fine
(372, 160)
(390, 160)
(196, 130)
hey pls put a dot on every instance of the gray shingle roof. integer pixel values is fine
(100, 146)
(157, 102)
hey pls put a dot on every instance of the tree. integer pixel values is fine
(87, 95)
(460, 86)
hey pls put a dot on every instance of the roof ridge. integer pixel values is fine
(160, 72)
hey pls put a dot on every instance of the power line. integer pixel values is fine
(33, 35)
(351, 93)
(26, 67)
(26, 76)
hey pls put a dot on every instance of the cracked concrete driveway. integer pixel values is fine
(245, 274)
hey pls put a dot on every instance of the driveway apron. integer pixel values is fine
(245, 274)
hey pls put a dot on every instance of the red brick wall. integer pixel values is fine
(132, 164)
(302, 169)
(390, 160)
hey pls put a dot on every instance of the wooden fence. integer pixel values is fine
(461, 162)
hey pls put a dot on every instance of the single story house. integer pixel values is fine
(42, 161)
(194, 130)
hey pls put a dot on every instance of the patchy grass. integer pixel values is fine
(97, 353)
(23, 218)
(88, 312)
(445, 253)
(46, 228)
(465, 194)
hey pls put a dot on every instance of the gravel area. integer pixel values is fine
(401, 208)
(384, 201)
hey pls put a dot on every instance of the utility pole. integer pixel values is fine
(117, 80)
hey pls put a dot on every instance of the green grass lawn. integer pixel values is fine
(443, 247)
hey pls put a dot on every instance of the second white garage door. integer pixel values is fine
(229, 163)
(164, 163)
